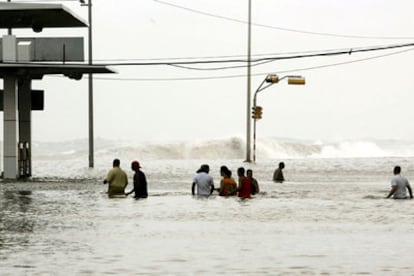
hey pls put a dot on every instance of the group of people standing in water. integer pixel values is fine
(203, 184)
(117, 181)
(247, 185)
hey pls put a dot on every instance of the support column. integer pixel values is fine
(10, 116)
(25, 127)
(10, 127)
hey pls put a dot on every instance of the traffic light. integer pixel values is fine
(257, 112)
(298, 80)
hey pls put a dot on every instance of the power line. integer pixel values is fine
(259, 61)
(348, 51)
(345, 62)
(219, 68)
(245, 22)
(203, 57)
(123, 60)
(257, 74)
(275, 27)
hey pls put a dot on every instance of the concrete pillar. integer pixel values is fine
(10, 115)
(25, 128)
(25, 113)
(9, 48)
(10, 136)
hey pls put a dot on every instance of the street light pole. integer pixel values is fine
(90, 84)
(248, 122)
(90, 88)
(255, 119)
(270, 80)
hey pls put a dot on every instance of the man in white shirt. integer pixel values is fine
(399, 185)
(203, 181)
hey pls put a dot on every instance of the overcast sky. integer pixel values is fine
(352, 96)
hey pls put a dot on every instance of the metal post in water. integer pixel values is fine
(90, 88)
(248, 122)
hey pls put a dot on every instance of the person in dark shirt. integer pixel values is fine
(255, 185)
(140, 182)
(278, 174)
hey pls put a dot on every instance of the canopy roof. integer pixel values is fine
(37, 71)
(37, 16)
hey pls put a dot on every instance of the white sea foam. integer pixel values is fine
(226, 148)
(352, 149)
(69, 159)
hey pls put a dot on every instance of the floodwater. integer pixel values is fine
(329, 218)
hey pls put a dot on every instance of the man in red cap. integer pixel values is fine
(140, 182)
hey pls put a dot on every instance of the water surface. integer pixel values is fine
(330, 218)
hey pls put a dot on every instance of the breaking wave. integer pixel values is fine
(226, 148)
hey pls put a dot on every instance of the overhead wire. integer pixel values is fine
(344, 62)
(262, 60)
(220, 68)
(302, 69)
(285, 29)
(347, 51)
(278, 28)
(226, 18)
(200, 57)
(184, 62)
(218, 56)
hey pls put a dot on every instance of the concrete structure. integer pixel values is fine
(17, 69)
(47, 49)
(37, 16)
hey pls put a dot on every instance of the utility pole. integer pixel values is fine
(90, 84)
(248, 121)
(90, 88)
